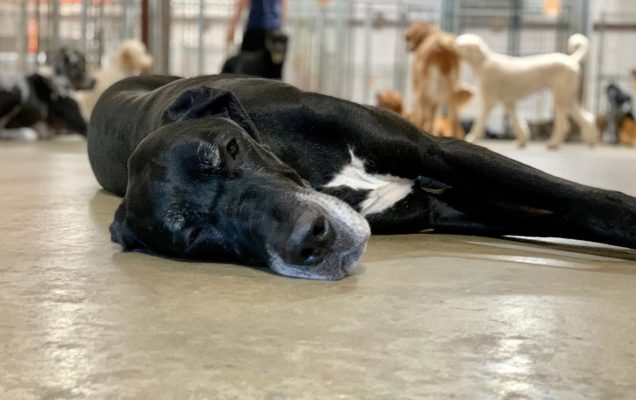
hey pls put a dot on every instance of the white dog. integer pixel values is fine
(130, 59)
(508, 79)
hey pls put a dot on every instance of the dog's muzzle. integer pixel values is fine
(326, 242)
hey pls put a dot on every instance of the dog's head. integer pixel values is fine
(617, 97)
(276, 45)
(390, 100)
(203, 187)
(61, 110)
(472, 48)
(133, 57)
(70, 64)
(418, 32)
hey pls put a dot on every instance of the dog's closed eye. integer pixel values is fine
(193, 235)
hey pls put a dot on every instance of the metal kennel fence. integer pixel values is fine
(345, 48)
(29, 29)
(615, 33)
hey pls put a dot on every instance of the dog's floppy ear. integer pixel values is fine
(208, 101)
(121, 233)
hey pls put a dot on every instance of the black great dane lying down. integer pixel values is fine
(254, 171)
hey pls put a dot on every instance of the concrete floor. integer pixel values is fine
(430, 317)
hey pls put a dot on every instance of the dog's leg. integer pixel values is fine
(479, 127)
(519, 125)
(585, 120)
(487, 188)
(453, 115)
(561, 124)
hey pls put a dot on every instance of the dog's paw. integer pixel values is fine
(19, 134)
(553, 145)
(471, 138)
(27, 135)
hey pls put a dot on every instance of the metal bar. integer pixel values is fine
(599, 65)
(99, 34)
(339, 65)
(201, 31)
(145, 26)
(321, 17)
(23, 38)
(400, 72)
(54, 32)
(514, 28)
(84, 24)
(368, 48)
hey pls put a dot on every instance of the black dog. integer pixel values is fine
(258, 172)
(267, 63)
(33, 105)
(619, 106)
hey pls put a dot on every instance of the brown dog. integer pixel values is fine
(390, 100)
(435, 77)
(442, 126)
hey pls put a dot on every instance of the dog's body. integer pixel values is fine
(259, 172)
(265, 63)
(435, 78)
(130, 59)
(505, 79)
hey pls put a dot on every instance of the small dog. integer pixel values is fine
(619, 107)
(435, 77)
(266, 63)
(392, 100)
(131, 59)
(508, 79)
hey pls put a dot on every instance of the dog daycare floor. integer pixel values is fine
(429, 317)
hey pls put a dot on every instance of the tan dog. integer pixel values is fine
(442, 126)
(390, 100)
(435, 77)
(130, 59)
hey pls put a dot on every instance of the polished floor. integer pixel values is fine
(429, 317)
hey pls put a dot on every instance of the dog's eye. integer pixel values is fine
(193, 235)
(232, 148)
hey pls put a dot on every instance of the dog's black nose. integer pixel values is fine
(310, 239)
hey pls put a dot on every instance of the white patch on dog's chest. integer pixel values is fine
(385, 190)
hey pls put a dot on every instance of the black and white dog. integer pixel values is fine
(266, 63)
(36, 105)
(258, 172)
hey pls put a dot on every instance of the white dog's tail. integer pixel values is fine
(578, 46)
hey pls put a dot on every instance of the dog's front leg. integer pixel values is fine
(479, 127)
(519, 125)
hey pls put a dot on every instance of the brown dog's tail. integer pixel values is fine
(462, 95)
